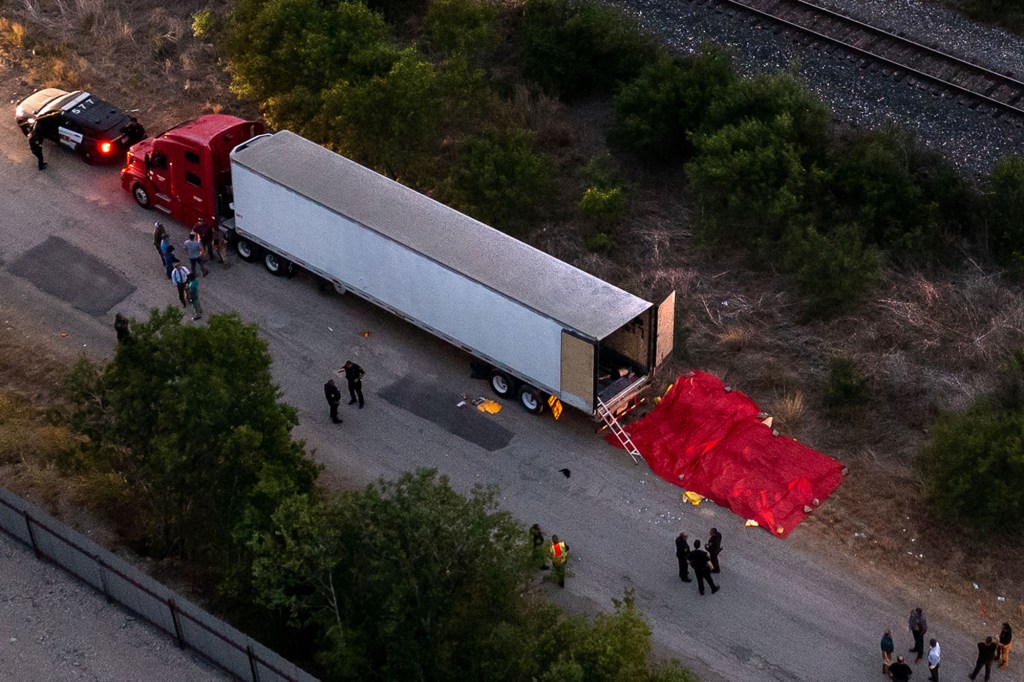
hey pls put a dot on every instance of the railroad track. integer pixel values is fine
(979, 87)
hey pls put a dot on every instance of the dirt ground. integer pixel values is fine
(927, 343)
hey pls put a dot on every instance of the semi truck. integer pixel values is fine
(546, 333)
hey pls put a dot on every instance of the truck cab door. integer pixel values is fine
(158, 171)
(665, 328)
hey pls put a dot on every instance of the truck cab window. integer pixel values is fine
(193, 179)
(192, 157)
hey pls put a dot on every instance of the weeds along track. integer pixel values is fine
(978, 87)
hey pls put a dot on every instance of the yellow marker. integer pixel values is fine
(556, 406)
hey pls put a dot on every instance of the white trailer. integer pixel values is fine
(543, 327)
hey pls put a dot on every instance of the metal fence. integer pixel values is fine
(190, 626)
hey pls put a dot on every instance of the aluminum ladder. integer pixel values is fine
(620, 433)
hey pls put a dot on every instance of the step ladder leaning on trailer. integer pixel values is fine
(620, 433)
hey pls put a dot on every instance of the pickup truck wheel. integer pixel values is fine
(503, 384)
(141, 195)
(88, 156)
(531, 399)
(276, 265)
(247, 251)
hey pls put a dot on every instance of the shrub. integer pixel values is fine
(905, 199)
(835, 272)
(204, 23)
(749, 181)
(576, 48)
(1008, 13)
(845, 386)
(603, 206)
(1006, 213)
(601, 171)
(466, 27)
(973, 468)
(657, 113)
(499, 179)
(768, 99)
(601, 243)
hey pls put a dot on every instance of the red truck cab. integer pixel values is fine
(185, 172)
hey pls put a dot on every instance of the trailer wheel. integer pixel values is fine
(276, 265)
(247, 251)
(531, 399)
(503, 384)
(141, 195)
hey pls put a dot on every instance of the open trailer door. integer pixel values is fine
(577, 380)
(665, 326)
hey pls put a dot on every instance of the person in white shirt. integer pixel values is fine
(934, 658)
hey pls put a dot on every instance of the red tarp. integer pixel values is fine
(710, 441)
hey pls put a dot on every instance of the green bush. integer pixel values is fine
(601, 242)
(657, 113)
(906, 199)
(973, 468)
(845, 385)
(769, 98)
(749, 181)
(204, 23)
(603, 206)
(835, 272)
(466, 27)
(500, 180)
(1008, 13)
(1006, 213)
(574, 48)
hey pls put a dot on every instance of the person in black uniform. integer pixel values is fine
(714, 548)
(699, 560)
(900, 671)
(35, 145)
(333, 395)
(683, 555)
(354, 375)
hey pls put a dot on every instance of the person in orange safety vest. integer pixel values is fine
(559, 553)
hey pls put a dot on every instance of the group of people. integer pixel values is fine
(354, 376)
(556, 551)
(704, 561)
(990, 650)
(203, 243)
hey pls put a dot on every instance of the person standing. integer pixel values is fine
(204, 231)
(1005, 644)
(220, 247)
(537, 538)
(179, 275)
(35, 145)
(934, 659)
(354, 375)
(918, 626)
(714, 548)
(559, 553)
(683, 556)
(193, 295)
(887, 648)
(169, 259)
(333, 395)
(900, 671)
(124, 333)
(159, 235)
(701, 563)
(194, 251)
(986, 654)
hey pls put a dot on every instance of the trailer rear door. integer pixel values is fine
(577, 381)
(665, 324)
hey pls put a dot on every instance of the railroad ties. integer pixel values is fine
(894, 55)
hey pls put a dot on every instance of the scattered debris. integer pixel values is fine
(693, 498)
(565, 472)
(751, 523)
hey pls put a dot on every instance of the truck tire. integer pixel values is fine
(276, 265)
(502, 384)
(531, 399)
(247, 251)
(141, 195)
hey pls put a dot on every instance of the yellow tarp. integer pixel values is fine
(489, 406)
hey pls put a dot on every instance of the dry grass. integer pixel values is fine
(789, 411)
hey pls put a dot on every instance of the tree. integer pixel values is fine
(190, 417)
(499, 179)
(287, 53)
(404, 580)
(577, 48)
(657, 113)
(973, 468)
(465, 27)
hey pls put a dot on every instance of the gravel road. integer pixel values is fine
(53, 628)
